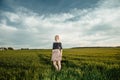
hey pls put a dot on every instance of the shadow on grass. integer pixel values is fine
(45, 60)
(117, 56)
(10, 66)
(113, 74)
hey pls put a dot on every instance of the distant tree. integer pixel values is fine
(3, 48)
(10, 48)
(118, 46)
(24, 48)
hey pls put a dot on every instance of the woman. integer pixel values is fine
(57, 53)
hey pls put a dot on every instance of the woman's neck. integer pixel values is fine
(57, 41)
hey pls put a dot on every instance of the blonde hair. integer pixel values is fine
(57, 38)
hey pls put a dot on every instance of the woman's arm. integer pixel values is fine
(61, 48)
(61, 51)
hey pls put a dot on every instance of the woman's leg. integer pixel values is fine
(55, 65)
(59, 65)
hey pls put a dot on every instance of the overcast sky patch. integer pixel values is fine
(96, 24)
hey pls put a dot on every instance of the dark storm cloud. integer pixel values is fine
(48, 6)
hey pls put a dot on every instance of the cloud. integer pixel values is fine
(98, 26)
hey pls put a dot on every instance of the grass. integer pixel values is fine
(77, 64)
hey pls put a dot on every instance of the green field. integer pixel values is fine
(77, 64)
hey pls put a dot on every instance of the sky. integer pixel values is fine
(79, 23)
